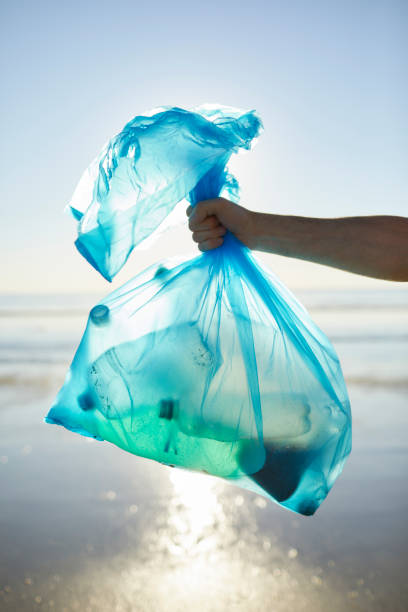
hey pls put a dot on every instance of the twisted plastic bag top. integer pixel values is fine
(143, 172)
(210, 364)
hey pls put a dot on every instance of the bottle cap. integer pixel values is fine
(86, 401)
(100, 314)
(161, 271)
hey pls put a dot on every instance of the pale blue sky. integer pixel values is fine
(328, 79)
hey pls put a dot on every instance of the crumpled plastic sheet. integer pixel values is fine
(143, 172)
(210, 364)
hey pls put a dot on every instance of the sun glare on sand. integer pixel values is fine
(195, 495)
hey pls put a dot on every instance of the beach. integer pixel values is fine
(86, 526)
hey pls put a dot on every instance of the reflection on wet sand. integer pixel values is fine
(84, 526)
(194, 515)
(202, 545)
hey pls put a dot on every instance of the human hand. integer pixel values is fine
(209, 220)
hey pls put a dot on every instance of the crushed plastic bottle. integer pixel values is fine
(210, 364)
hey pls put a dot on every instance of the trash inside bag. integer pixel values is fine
(211, 364)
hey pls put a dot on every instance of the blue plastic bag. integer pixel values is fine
(210, 364)
(143, 172)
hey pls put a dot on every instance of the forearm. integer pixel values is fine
(374, 246)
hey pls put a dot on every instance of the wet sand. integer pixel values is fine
(85, 526)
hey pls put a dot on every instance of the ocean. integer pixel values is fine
(85, 526)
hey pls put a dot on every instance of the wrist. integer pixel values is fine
(252, 230)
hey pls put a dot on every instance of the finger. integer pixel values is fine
(201, 211)
(208, 245)
(197, 225)
(202, 236)
(189, 211)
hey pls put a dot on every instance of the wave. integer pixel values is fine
(398, 384)
(315, 300)
(351, 338)
(77, 312)
(46, 382)
(51, 312)
(39, 382)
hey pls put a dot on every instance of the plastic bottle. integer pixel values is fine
(141, 388)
